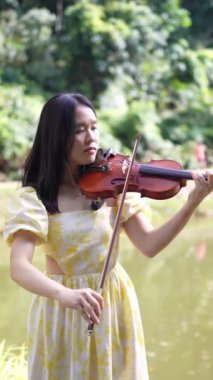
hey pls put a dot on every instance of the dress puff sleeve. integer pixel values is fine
(133, 203)
(26, 212)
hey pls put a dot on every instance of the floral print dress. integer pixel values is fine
(59, 347)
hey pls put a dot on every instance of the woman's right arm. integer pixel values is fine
(87, 301)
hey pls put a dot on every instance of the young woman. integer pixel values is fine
(49, 209)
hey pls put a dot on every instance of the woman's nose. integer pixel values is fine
(90, 135)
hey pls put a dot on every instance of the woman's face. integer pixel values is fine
(86, 139)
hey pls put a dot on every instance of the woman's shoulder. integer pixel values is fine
(26, 196)
(25, 190)
(133, 204)
(25, 211)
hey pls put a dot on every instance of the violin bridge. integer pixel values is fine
(125, 166)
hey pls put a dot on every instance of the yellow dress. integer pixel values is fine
(59, 346)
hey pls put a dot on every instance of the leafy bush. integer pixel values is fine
(18, 118)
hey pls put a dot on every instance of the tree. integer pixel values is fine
(27, 47)
(201, 13)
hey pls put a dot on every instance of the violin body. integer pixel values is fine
(159, 179)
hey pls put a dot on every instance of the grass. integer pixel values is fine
(13, 364)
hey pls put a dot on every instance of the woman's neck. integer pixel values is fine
(70, 178)
(70, 198)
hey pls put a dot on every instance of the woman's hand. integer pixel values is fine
(202, 187)
(87, 301)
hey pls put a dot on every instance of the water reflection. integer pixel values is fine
(175, 292)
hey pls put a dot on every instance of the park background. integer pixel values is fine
(148, 67)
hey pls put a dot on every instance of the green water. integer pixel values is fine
(175, 292)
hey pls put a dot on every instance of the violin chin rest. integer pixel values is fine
(96, 204)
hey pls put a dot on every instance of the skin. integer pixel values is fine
(150, 241)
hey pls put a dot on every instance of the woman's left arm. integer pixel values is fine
(151, 241)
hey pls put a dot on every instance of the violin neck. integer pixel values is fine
(165, 172)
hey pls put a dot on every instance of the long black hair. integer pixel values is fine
(44, 167)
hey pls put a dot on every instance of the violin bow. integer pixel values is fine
(117, 220)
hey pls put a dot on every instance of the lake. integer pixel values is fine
(175, 292)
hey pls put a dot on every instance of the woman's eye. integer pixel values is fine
(80, 130)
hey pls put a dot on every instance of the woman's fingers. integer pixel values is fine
(89, 303)
(205, 185)
(85, 314)
(92, 308)
(86, 300)
(210, 178)
(86, 317)
(99, 298)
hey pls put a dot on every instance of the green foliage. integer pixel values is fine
(96, 44)
(187, 113)
(193, 123)
(27, 47)
(132, 58)
(138, 118)
(125, 39)
(18, 118)
(201, 32)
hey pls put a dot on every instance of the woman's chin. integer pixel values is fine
(89, 160)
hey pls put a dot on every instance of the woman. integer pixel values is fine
(50, 209)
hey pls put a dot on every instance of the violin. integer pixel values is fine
(158, 179)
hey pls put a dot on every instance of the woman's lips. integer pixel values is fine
(90, 150)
